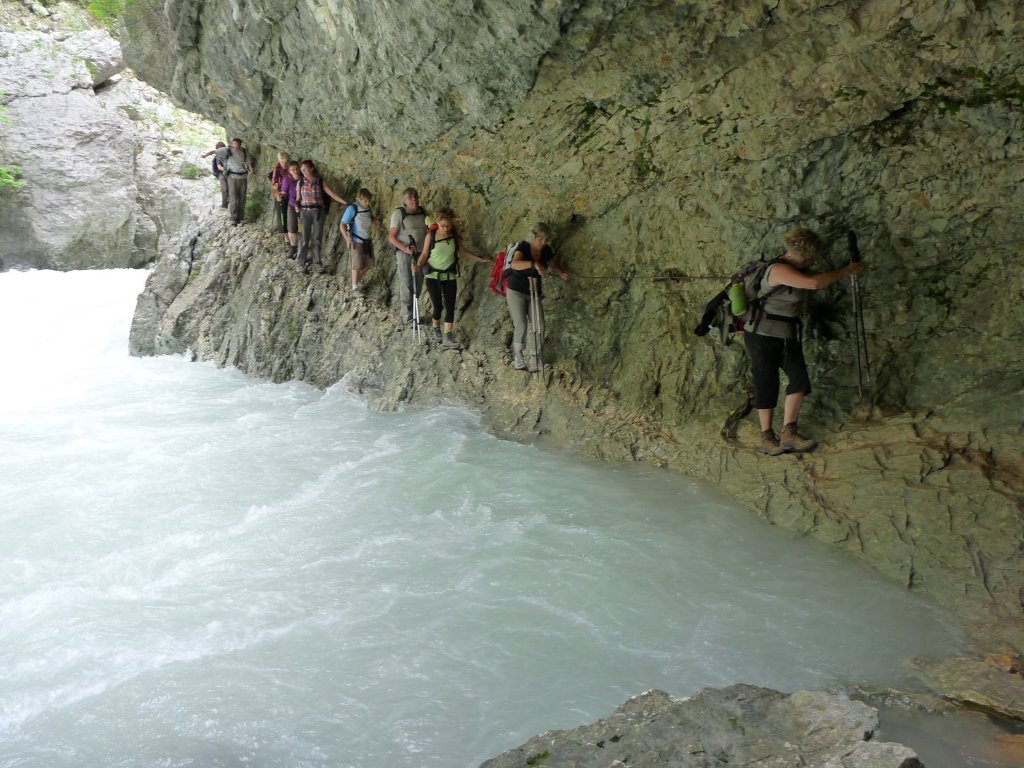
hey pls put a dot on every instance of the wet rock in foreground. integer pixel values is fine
(738, 725)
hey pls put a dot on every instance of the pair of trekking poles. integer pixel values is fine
(535, 321)
(860, 340)
(535, 313)
(415, 294)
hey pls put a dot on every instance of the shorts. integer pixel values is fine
(768, 354)
(362, 254)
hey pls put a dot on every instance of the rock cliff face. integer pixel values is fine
(100, 189)
(666, 142)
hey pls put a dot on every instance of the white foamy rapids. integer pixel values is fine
(199, 568)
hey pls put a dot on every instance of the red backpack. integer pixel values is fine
(499, 272)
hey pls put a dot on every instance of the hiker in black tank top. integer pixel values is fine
(533, 258)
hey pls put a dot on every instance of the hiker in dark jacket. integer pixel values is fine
(533, 258)
(774, 341)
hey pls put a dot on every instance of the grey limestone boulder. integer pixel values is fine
(92, 196)
(738, 725)
(101, 54)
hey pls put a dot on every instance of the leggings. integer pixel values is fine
(519, 309)
(442, 293)
(767, 355)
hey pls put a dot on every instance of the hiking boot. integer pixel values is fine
(518, 361)
(449, 342)
(770, 443)
(435, 334)
(356, 292)
(792, 441)
(536, 366)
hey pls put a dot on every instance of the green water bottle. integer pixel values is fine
(737, 299)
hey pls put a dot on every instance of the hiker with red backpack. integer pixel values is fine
(530, 261)
(439, 262)
(311, 193)
(773, 338)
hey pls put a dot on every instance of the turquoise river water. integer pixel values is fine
(198, 568)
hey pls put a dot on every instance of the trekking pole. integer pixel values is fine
(538, 333)
(415, 298)
(859, 335)
(860, 322)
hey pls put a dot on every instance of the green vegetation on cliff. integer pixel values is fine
(10, 175)
(107, 12)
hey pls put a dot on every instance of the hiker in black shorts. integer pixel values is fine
(774, 340)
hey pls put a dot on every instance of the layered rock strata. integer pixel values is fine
(666, 142)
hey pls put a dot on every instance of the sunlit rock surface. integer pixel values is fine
(100, 188)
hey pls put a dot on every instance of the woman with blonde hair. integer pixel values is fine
(773, 340)
(439, 262)
(277, 178)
